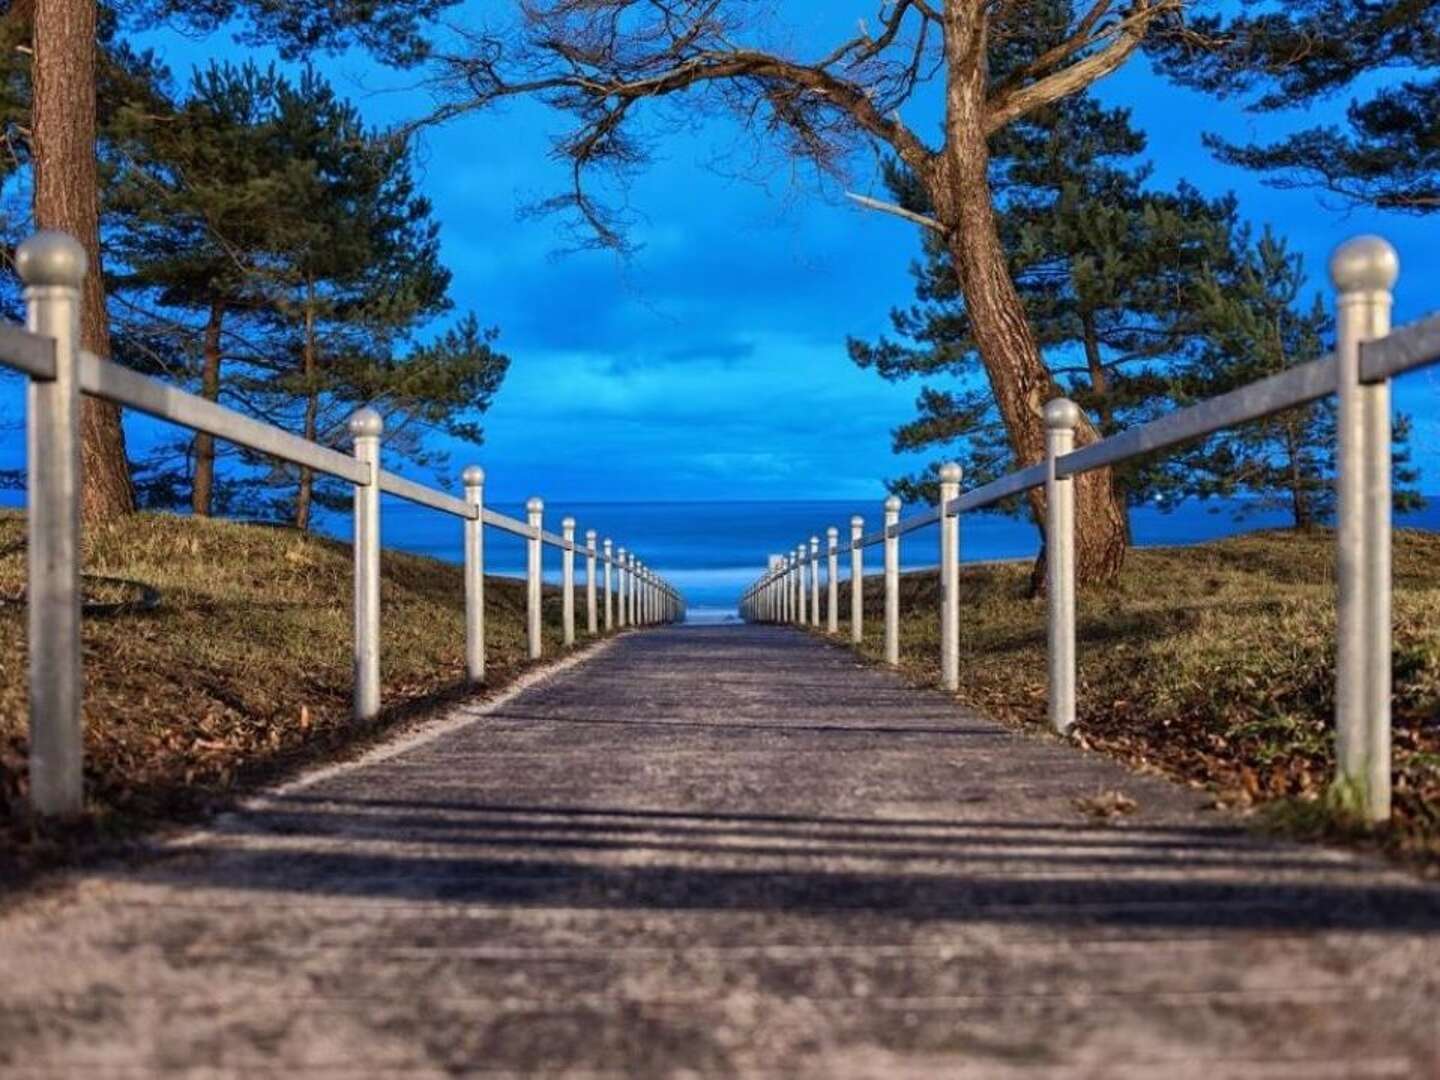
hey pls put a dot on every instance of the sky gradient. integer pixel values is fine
(712, 364)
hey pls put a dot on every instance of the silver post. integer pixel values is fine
(534, 588)
(892, 581)
(621, 568)
(1062, 416)
(832, 580)
(788, 582)
(474, 479)
(814, 581)
(950, 476)
(1364, 270)
(52, 266)
(592, 616)
(609, 585)
(366, 428)
(857, 580)
(803, 584)
(567, 575)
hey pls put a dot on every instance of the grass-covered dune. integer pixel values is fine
(241, 670)
(1214, 664)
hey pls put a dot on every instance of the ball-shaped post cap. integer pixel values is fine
(857, 522)
(535, 506)
(951, 473)
(893, 504)
(814, 540)
(473, 476)
(367, 424)
(590, 535)
(1364, 264)
(567, 523)
(832, 532)
(51, 258)
(1062, 414)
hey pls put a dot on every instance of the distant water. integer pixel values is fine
(713, 550)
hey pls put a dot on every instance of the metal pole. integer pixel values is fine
(534, 589)
(803, 584)
(366, 428)
(474, 479)
(857, 580)
(1364, 270)
(609, 585)
(814, 581)
(620, 568)
(950, 476)
(1061, 418)
(567, 574)
(832, 580)
(592, 617)
(52, 266)
(788, 588)
(892, 582)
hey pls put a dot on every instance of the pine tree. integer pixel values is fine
(1257, 325)
(1303, 54)
(1104, 268)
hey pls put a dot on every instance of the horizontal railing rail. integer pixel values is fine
(52, 267)
(1368, 354)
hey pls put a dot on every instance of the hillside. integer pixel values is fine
(1212, 663)
(241, 670)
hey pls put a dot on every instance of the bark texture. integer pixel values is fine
(202, 489)
(959, 186)
(67, 197)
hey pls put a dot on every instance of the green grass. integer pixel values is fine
(1214, 664)
(241, 672)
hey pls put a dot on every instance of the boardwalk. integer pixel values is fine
(727, 851)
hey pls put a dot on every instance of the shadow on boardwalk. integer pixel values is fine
(729, 851)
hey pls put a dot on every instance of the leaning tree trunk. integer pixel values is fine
(67, 196)
(1019, 379)
(202, 490)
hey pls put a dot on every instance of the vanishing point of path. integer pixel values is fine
(727, 851)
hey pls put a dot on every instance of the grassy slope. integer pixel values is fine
(1213, 663)
(244, 669)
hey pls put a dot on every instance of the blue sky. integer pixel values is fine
(712, 364)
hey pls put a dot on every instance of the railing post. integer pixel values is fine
(814, 581)
(857, 580)
(592, 617)
(1062, 416)
(534, 586)
(567, 574)
(52, 265)
(620, 568)
(788, 588)
(1364, 271)
(803, 584)
(366, 428)
(892, 582)
(474, 479)
(832, 580)
(609, 585)
(950, 476)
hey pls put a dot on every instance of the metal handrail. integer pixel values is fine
(52, 266)
(1368, 354)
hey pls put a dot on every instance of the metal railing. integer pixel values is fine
(52, 267)
(1367, 355)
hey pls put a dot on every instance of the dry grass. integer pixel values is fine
(1214, 664)
(242, 671)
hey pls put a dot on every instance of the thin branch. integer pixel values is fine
(898, 211)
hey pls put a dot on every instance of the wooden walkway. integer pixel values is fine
(725, 851)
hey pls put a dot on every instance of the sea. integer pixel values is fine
(712, 551)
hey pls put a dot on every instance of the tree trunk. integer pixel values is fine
(202, 490)
(67, 196)
(305, 496)
(1100, 387)
(959, 188)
